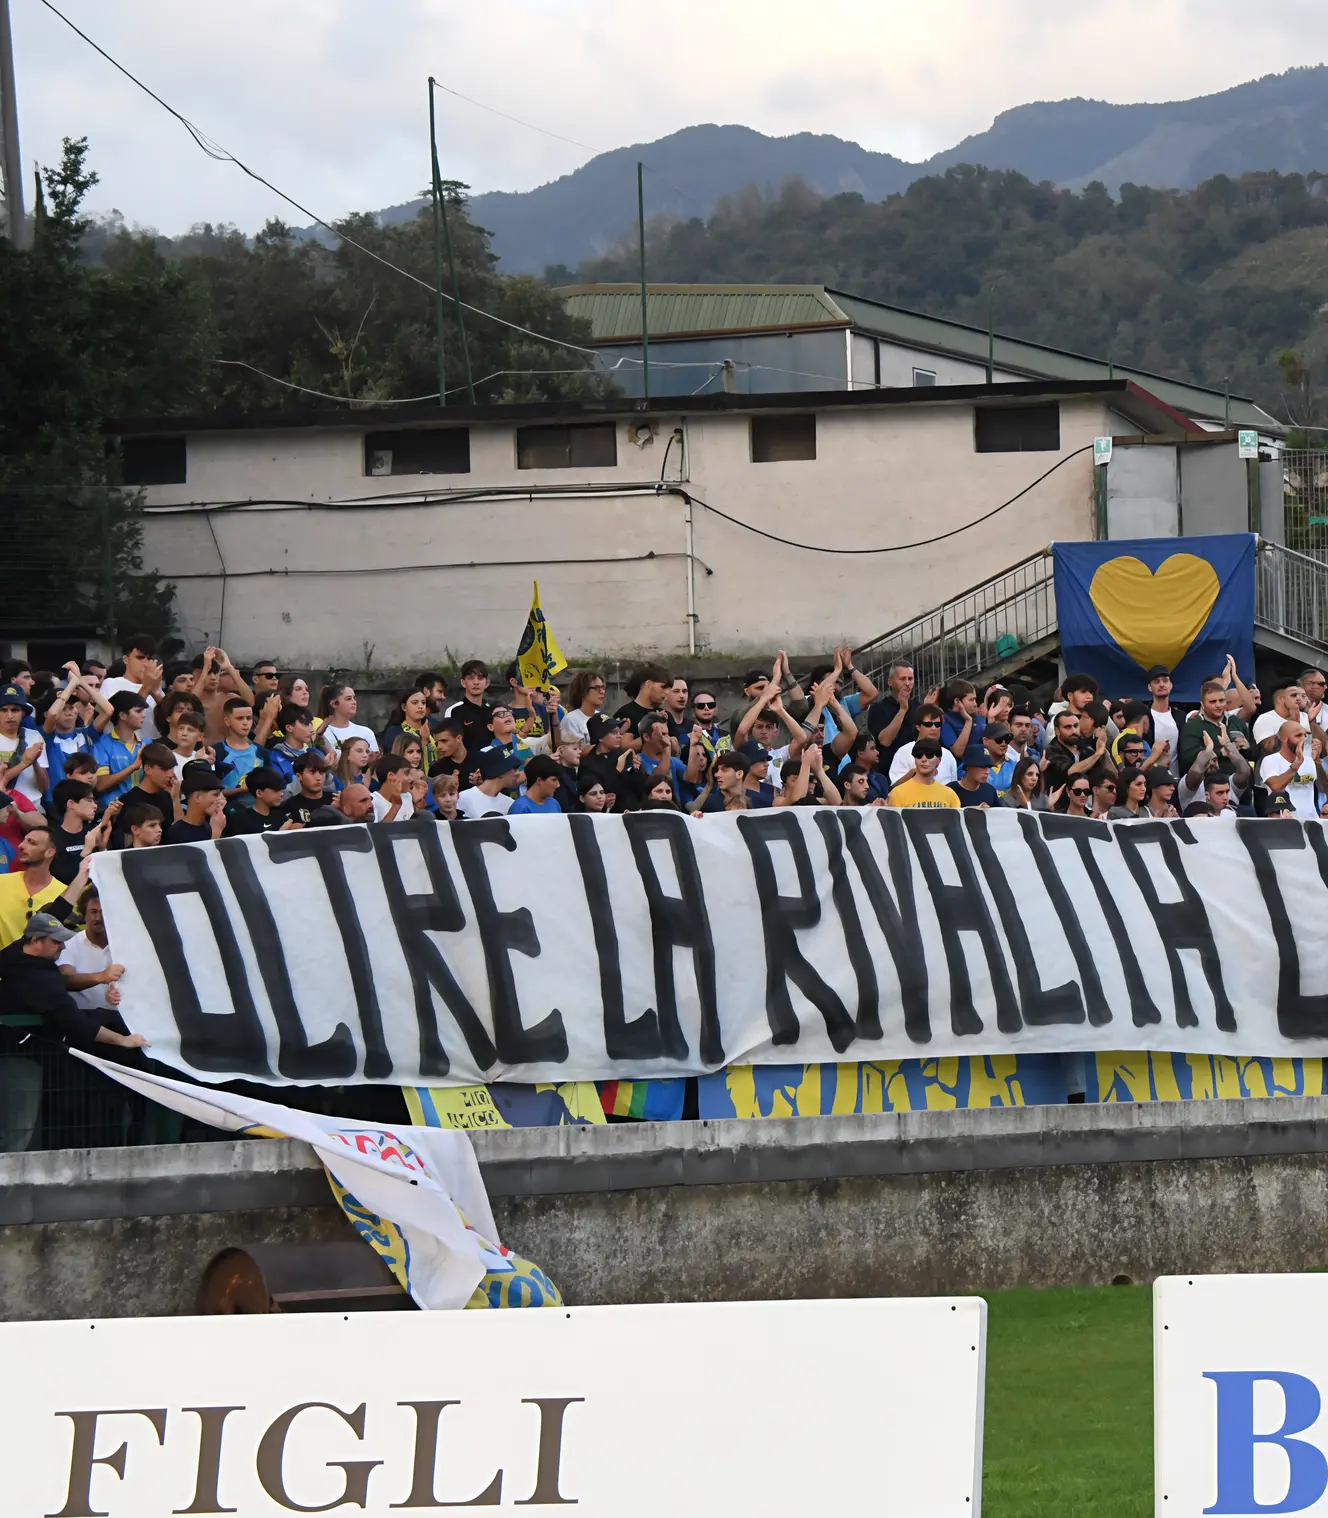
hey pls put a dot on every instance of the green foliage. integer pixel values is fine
(82, 345)
(1204, 285)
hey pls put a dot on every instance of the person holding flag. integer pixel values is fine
(538, 660)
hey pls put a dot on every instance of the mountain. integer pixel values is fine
(1277, 122)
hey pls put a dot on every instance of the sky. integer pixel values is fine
(327, 98)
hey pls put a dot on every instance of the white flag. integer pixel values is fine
(415, 1195)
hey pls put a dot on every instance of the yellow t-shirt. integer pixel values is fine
(919, 793)
(16, 906)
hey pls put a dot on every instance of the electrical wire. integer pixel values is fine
(894, 548)
(370, 401)
(395, 569)
(214, 150)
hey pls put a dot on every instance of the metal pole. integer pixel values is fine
(456, 288)
(11, 164)
(437, 255)
(1226, 385)
(645, 320)
(991, 337)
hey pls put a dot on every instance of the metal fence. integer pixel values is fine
(1305, 484)
(983, 627)
(1291, 594)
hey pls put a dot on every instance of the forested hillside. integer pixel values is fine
(1212, 284)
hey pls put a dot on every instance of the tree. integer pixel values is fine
(82, 346)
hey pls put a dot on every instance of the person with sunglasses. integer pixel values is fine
(1075, 798)
(926, 722)
(712, 738)
(30, 886)
(1104, 791)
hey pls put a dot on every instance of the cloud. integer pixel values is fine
(327, 98)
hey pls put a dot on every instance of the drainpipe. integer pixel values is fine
(691, 580)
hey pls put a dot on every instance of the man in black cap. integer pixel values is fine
(1162, 720)
(760, 791)
(608, 761)
(31, 985)
(500, 770)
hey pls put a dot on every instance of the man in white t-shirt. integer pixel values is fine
(1160, 716)
(392, 802)
(1289, 704)
(143, 676)
(85, 961)
(500, 770)
(1293, 771)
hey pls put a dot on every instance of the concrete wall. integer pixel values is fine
(413, 583)
(1214, 490)
(908, 1203)
(1143, 493)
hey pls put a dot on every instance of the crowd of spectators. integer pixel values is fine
(138, 756)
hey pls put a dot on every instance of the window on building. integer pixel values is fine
(924, 377)
(777, 439)
(590, 446)
(1018, 429)
(153, 460)
(418, 450)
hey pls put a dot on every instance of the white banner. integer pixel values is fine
(1240, 1374)
(598, 948)
(655, 1411)
(415, 1195)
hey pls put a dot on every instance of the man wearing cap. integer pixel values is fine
(22, 752)
(973, 787)
(607, 760)
(919, 786)
(996, 740)
(500, 773)
(31, 887)
(31, 985)
(119, 750)
(204, 807)
(760, 790)
(1160, 716)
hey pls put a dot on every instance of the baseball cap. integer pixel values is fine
(1156, 673)
(126, 701)
(494, 762)
(1157, 778)
(755, 677)
(598, 726)
(198, 777)
(974, 759)
(11, 695)
(753, 753)
(998, 732)
(43, 925)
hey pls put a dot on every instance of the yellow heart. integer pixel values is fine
(1155, 616)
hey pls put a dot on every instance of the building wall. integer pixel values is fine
(396, 584)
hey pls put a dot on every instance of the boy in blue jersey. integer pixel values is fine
(235, 755)
(119, 749)
(543, 778)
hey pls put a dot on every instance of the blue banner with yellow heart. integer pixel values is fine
(1183, 603)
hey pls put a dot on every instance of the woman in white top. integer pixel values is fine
(584, 698)
(336, 709)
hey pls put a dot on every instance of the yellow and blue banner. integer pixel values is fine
(887, 1085)
(504, 1105)
(1183, 603)
(538, 657)
(1197, 1077)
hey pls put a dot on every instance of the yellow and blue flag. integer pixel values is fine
(538, 658)
(1183, 603)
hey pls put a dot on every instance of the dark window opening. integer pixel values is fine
(779, 439)
(1018, 429)
(153, 460)
(594, 446)
(428, 450)
(924, 377)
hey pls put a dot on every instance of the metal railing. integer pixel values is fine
(1305, 486)
(972, 632)
(1291, 594)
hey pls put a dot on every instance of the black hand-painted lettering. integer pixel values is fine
(415, 917)
(1181, 924)
(682, 922)
(1298, 1015)
(231, 1042)
(504, 934)
(832, 826)
(326, 846)
(1083, 831)
(782, 918)
(336, 1058)
(1039, 1007)
(640, 1038)
(898, 924)
(1099, 1011)
(962, 909)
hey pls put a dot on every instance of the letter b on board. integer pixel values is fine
(1237, 1440)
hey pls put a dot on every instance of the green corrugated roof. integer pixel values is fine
(614, 311)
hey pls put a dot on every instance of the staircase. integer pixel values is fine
(1009, 622)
